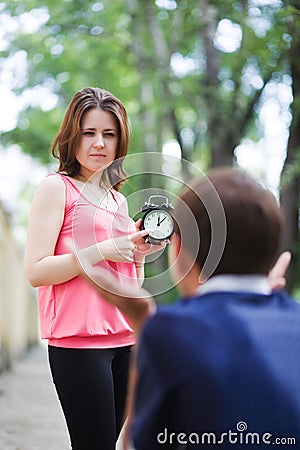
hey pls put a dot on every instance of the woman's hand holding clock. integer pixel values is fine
(144, 248)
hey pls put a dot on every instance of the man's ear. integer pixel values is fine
(184, 270)
(179, 256)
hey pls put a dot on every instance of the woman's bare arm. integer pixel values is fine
(135, 302)
(44, 225)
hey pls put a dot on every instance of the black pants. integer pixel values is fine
(91, 385)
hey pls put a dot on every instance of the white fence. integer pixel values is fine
(18, 309)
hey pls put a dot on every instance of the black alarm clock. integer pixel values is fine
(158, 218)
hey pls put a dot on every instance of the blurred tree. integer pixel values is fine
(193, 71)
(165, 59)
(290, 178)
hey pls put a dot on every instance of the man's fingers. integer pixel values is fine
(281, 265)
(277, 274)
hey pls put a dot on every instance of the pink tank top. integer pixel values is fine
(72, 314)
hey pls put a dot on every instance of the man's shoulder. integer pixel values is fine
(215, 308)
(168, 313)
(171, 321)
(288, 299)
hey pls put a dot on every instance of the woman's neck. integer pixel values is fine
(91, 178)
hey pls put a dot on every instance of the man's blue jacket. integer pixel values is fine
(220, 370)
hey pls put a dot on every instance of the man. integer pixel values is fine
(221, 366)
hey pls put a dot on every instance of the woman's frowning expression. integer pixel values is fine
(99, 141)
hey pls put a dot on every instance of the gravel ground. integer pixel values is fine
(30, 414)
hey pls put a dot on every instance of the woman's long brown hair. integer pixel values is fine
(65, 144)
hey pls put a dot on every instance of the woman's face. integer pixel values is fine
(99, 142)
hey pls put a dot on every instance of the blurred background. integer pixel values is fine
(210, 82)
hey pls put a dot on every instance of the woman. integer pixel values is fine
(89, 340)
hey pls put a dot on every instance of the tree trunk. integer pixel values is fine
(290, 177)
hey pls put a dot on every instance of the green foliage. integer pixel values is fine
(35, 132)
(127, 47)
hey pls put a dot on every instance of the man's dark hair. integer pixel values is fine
(253, 220)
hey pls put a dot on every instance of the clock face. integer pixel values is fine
(160, 223)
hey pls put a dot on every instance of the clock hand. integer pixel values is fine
(158, 224)
(158, 221)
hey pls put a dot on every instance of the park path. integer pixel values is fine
(30, 414)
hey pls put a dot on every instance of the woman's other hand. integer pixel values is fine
(123, 248)
(143, 248)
